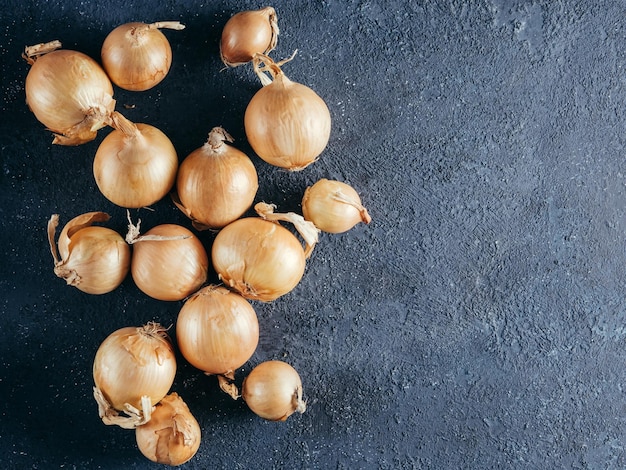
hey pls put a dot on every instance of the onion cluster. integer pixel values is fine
(257, 257)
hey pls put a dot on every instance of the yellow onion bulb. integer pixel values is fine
(172, 436)
(94, 259)
(333, 206)
(286, 123)
(168, 262)
(138, 56)
(216, 183)
(247, 33)
(133, 363)
(68, 92)
(260, 259)
(217, 330)
(273, 391)
(135, 165)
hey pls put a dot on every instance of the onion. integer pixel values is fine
(273, 391)
(333, 206)
(246, 33)
(287, 123)
(216, 183)
(259, 258)
(93, 259)
(68, 92)
(172, 436)
(168, 262)
(217, 331)
(135, 165)
(133, 370)
(137, 56)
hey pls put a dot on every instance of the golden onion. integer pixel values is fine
(133, 370)
(172, 436)
(333, 206)
(246, 33)
(68, 92)
(259, 258)
(93, 259)
(168, 262)
(135, 165)
(273, 391)
(137, 56)
(286, 123)
(216, 183)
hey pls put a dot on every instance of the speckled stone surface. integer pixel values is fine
(477, 322)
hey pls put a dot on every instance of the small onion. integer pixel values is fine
(168, 262)
(287, 123)
(135, 165)
(137, 56)
(172, 436)
(246, 33)
(217, 331)
(133, 370)
(259, 258)
(68, 92)
(273, 391)
(216, 183)
(333, 206)
(93, 259)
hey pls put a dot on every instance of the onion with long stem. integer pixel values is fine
(68, 92)
(137, 56)
(135, 165)
(260, 258)
(287, 123)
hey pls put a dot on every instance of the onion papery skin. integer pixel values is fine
(287, 124)
(100, 259)
(65, 89)
(169, 269)
(136, 57)
(216, 184)
(132, 362)
(333, 206)
(246, 33)
(172, 436)
(135, 169)
(273, 391)
(262, 260)
(217, 330)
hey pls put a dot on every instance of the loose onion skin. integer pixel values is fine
(135, 165)
(93, 259)
(247, 33)
(217, 330)
(216, 183)
(273, 391)
(133, 363)
(68, 92)
(333, 206)
(137, 56)
(286, 123)
(168, 262)
(260, 259)
(172, 436)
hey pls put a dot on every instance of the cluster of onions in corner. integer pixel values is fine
(256, 258)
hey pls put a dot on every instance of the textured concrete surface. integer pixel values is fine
(478, 322)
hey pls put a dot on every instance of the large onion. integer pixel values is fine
(68, 92)
(287, 123)
(133, 370)
(259, 258)
(216, 183)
